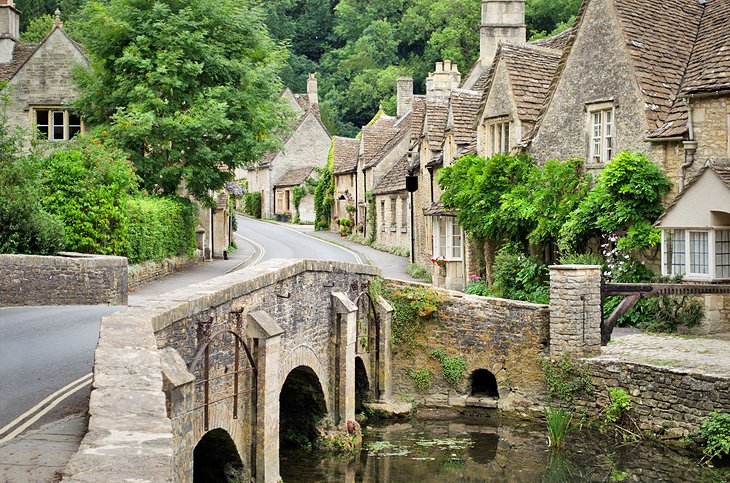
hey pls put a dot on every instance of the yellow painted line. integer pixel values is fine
(54, 400)
(256, 245)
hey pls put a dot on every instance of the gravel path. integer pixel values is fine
(707, 354)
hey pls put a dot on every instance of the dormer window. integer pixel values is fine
(56, 124)
(498, 136)
(601, 124)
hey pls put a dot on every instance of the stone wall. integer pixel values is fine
(508, 338)
(711, 118)
(393, 229)
(667, 402)
(68, 279)
(145, 272)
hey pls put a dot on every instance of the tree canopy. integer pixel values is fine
(190, 90)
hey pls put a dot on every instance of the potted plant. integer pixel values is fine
(350, 208)
(285, 216)
(439, 264)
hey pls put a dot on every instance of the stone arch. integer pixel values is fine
(304, 356)
(301, 407)
(216, 458)
(362, 384)
(484, 384)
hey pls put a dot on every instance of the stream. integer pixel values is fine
(487, 449)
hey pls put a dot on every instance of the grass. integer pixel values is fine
(419, 272)
(558, 422)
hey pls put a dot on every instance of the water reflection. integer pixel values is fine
(485, 451)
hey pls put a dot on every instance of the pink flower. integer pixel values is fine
(474, 277)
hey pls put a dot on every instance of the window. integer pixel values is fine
(601, 141)
(56, 124)
(698, 254)
(404, 212)
(393, 206)
(447, 238)
(382, 215)
(498, 133)
(675, 252)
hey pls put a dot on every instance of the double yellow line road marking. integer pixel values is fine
(23, 422)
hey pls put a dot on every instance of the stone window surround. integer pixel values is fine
(504, 125)
(710, 249)
(393, 209)
(591, 108)
(67, 126)
(447, 252)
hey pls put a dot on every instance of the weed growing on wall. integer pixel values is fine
(421, 378)
(715, 433)
(453, 366)
(616, 417)
(412, 307)
(566, 380)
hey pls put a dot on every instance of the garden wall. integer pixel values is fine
(508, 338)
(668, 402)
(145, 272)
(67, 279)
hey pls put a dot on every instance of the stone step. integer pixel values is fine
(481, 402)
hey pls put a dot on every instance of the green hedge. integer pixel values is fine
(159, 228)
(252, 204)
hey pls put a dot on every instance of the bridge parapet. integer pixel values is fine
(153, 400)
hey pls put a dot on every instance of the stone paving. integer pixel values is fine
(707, 355)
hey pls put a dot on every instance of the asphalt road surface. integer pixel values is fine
(278, 241)
(46, 353)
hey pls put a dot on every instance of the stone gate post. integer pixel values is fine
(262, 326)
(575, 309)
(385, 379)
(345, 315)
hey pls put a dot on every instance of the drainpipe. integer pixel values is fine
(690, 147)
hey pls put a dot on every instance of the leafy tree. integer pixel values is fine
(626, 200)
(188, 89)
(550, 17)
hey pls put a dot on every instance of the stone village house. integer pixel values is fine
(306, 146)
(284, 193)
(657, 82)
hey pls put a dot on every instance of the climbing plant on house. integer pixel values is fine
(324, 193)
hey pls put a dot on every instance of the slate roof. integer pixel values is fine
(417, 117)
(395, 180)
(381, 137)
(294, 177)
(531, 70)
(464, 111)
(437, 209)
(346, 152)
(659, 35)
(709, 68)
(21, 53)
(557, 42)
(437, 114)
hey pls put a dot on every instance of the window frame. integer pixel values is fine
(498, 135)
(712, 253)
(452, 233)
(603, 142)
(52, 125)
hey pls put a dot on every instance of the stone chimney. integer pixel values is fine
(9, 30)
(442, 81)
(405, 95)
(311, 89)
(501, 20)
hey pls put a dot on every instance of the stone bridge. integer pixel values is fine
(207, 378)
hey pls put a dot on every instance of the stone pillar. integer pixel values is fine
(262, 326)
(345, 315)
(385, 379)
(575, 310)
(179, 387)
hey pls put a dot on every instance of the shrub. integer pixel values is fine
(86, 184)
(25, 226)
(159, 228)
(565, 380)
(619, 404)
(519, 277)
(252, 204)
(419, 272)
(715, 431)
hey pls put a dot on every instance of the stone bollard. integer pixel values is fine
(575, 310)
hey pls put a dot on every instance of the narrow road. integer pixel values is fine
(277, 241)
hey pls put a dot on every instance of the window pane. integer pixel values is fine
(41, 117)
(499, 134)
(74, 125)
(57, 126)
(443, 235)
(675, 252)
(722, 253)
(404, 212)
(456, 239)
(506, 137)
(698, 255)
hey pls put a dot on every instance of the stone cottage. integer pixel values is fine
(345, 153)
(306, 145)
(39, 77)
(284, 193)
